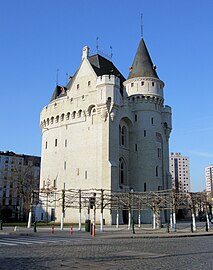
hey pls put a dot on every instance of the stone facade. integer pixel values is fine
(104, 132)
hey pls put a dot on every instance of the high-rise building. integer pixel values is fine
(102, 131)
(19, 175)
(180, 171)
(209, 178)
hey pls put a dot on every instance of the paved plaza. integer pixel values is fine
(111, 249)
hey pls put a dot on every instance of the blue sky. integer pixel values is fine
(39, 37)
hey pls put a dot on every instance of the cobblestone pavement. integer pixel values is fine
(110, 253)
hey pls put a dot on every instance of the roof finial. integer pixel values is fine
(57, 71)
(111, 54)
(97, 44)
(141, 25)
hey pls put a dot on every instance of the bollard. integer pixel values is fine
(191, 227)
(167, 227)
(207, 229)
(52, 228)
(93, 230)
(133, 226)
(71, 229)
(1, 228)
(35, 227)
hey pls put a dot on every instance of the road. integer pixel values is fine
(81, 251)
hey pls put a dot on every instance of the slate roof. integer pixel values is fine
(101, 66)
(59, 91)
(142, 65)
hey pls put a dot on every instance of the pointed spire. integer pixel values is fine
(142, 64)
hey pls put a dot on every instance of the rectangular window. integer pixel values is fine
(144, 186)
(156, 171)
(65, 143)
(152, 120)
(144, 133)
(65, 165)
(45, 145)
(89, 83)
(142, 83)
(159, 152)
(56, 142)
(153, 83)
(85, 174)
(136, 118)
(136, 147)
(78, 86)
(132, 84)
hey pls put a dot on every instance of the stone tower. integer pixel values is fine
(101, 131)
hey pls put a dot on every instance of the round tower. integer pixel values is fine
(149, 156)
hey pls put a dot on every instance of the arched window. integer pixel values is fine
(122, 172)
(62, 117)
(57, 119)
(79, 113)
(73, 115)
(68, 116)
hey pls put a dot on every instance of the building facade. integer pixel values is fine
(103, 131)
(209, 178)
(19, 175)
(180, 171)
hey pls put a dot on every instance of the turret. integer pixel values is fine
(143, 78)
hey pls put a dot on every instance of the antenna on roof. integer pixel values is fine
(57, 76)
(97, 44)
(111, 54)
(141, 25)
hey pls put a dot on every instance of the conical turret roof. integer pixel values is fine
(142, 64)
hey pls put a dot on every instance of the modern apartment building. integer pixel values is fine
(19, 175)
(209, 178)
(180, 171)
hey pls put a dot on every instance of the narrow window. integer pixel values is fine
(89, 83)
(85, 174)
(152, 120)
(144, 133)
(156, 171)
(132, 84)
(159, 152)
(136, 147)
(144, 186)
(65, 165)
(65, 143)
(54, 183)
(153, 84)
(136, 118)
(123, 136)
(46, 145)
(142, 83)
(78, 171)
(78, 86)
(56, 142)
